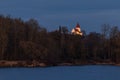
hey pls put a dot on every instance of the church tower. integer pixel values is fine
(77, 30)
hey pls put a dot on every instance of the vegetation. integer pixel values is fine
(28, 41)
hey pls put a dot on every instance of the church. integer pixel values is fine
(77, 30)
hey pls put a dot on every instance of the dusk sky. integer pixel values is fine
(90, 14)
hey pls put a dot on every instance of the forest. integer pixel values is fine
(27, 41)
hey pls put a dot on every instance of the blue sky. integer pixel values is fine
(90, 14)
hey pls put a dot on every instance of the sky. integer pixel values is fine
(90, 14)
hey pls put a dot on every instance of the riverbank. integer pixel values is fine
(4, 63)
(30, 64)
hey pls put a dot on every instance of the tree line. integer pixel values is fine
(27, 40)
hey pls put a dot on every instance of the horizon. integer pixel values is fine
(91, 15)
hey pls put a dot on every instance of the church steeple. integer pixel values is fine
(77, 30)
(77, 26)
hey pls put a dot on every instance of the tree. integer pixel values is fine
(93, 44)
(115, 43)
(3, 42)
(105, 41)
(105, 30)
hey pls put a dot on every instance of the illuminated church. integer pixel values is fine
(77, 30)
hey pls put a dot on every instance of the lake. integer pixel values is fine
(92, 72)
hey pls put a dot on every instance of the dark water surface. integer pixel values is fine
(93, 72)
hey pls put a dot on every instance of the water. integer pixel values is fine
(93, 72)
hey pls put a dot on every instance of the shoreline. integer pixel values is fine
(32, 64)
